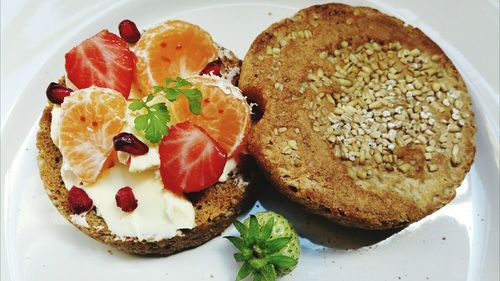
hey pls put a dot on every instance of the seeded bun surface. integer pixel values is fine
(365, 120)
(215, 207)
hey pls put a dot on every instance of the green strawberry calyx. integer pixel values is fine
(258, 252)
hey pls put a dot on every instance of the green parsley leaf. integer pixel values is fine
(181, 87)
(136, 105)
(171, 94)
(159, 117)
(181, 82)
(194, 98)
(169, 81)
(157, 89)
(155, 122)
(141, 122)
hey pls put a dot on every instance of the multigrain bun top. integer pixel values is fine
(365, 120)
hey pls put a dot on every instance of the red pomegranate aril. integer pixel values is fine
(125, 199)
(57, 92)
(129, 32)
(212, 67)
(78, 200)
(129, 143)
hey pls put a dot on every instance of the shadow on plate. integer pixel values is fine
(316, 229)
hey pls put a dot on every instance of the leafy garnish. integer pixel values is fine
(155, 122)
(259, 253)
(181, 87)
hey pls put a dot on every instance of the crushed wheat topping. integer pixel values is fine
(380, 97)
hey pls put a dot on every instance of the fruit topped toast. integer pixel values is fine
(140, 146)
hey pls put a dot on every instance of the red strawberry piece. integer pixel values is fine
(190, 160)
(78, 200)
(103, 60)
(128, 31)
(212, 67)
(125, 199)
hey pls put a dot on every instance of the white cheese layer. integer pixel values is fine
(54, 124)
(228, 168)
(159, 213)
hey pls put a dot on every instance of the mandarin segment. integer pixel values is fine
(90, 119)
(171, 49)
(225, 114)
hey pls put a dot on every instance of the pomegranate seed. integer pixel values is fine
(78, 200)
(212, 67)
(129, 32)
(57, 92)
(125, 199)
(129, 143)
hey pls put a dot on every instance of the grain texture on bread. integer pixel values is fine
(313, 73)
(215, 208)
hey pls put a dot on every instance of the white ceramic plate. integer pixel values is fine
(459, 242)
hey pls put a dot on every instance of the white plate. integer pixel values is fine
(459, 242)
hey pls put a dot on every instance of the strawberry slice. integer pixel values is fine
(103, 60)
(190, 160)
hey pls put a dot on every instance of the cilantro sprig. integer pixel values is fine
(193, 95)
(155, 122)
(156, 119)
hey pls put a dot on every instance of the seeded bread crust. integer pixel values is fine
(215, 208)
(302, 163)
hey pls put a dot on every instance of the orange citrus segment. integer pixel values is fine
(171, 49)
(225, 114)
(90, 119)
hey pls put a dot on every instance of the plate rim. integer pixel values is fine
(9, 127)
